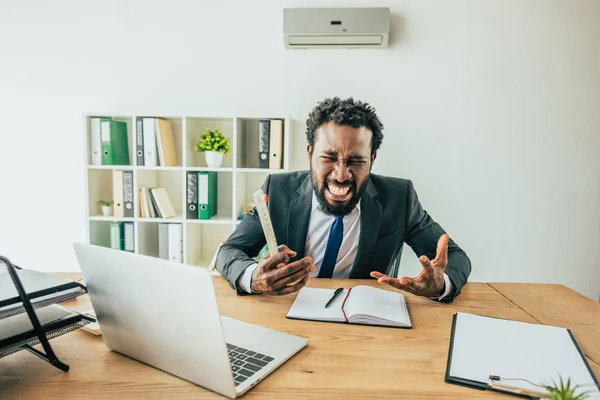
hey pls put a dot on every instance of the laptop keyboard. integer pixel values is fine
(245, 363)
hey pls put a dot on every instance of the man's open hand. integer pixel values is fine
(273, 276)
(430, 281)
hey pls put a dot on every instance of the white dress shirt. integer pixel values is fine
(316, 242)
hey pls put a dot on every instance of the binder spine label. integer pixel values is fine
(203, 196)
(192, 195)
(139, 123)
(203, 189)
(128, 193)
(263, 143)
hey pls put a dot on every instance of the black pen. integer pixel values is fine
(336, 294)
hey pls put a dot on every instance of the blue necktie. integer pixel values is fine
(333, 247)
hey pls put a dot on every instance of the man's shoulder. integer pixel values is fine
(387, 183)
(288, 180)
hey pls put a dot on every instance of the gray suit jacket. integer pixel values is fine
(390, 215)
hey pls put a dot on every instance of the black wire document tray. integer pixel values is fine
(41, 288)
(28, 315)
(17, 332)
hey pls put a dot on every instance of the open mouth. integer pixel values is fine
(337, 192)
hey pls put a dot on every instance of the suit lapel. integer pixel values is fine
(370, 222)
(299, 217)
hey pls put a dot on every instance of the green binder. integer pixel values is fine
(117, 236)
(207, 195)
(115, 148)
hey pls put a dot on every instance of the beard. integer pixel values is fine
(341, 209)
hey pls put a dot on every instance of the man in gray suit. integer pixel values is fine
(339, 220)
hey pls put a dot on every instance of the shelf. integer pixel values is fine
(148, 239)
(102, 189)
(151, 239)
(175, 220)
(129, 121)
(195, 127)
(115, 167)
(209, 169)
(246, 185)
(110, 218)
(159, 168)
(99, 232)
(217, 219)
(248, 151)
(206, 239)
(169, 179)
(261, 170)
(238, 178)
(224, 202)
(140, 133)
(132, 167)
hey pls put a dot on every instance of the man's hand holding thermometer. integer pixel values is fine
(273, 275)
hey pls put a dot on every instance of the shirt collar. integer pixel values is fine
(316, 204)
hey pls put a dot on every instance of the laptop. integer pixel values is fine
(165, 314)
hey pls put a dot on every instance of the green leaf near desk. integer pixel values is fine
(564, 391)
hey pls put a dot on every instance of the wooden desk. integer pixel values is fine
(340, 361)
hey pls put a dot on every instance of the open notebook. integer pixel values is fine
(359, 305)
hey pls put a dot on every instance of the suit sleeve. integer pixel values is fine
(239, 250)
(422, 236)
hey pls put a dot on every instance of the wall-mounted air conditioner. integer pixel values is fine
(306, 28)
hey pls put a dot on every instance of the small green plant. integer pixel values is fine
(564, 391)
(105, 202)
(213, 141)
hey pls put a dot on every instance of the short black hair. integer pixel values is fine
(345, 112)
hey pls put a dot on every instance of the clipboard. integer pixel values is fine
(521, 383)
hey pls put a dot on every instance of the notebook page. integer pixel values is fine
(310, 304)
(377, 305)
(486, 346)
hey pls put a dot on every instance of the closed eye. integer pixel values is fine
(356, 162)
(330, 159)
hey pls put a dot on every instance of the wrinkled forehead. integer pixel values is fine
(343, 141)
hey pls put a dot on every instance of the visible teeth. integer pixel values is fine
(339, 191)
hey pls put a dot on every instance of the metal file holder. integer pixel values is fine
(40, 334)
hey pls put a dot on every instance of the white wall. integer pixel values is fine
(491, 108)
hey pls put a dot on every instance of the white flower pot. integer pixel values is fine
(214, 159)
(106, 211)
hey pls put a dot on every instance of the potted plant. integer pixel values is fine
(214, 145)
(106, 207)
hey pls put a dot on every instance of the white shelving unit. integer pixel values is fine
(238, 178)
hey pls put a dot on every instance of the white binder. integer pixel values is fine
(118, 207)
(95, 141)
(150, 149)
(176, 243)
(163, 241)
(128, 244)
(276, 144)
